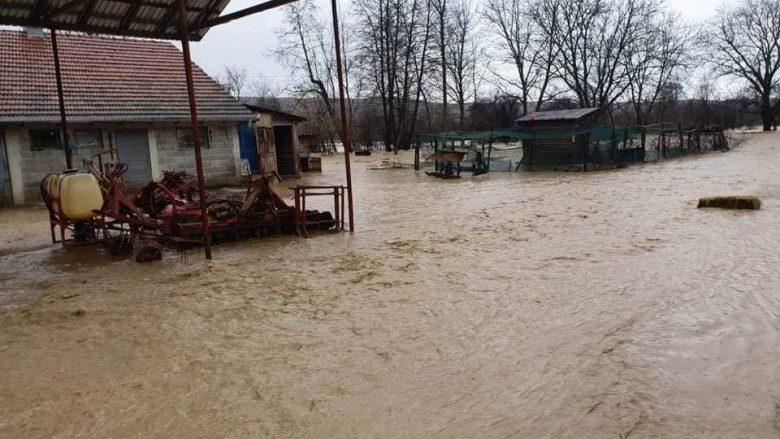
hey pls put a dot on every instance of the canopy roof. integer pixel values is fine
(135, 18)
(558, 115)
(107, 79)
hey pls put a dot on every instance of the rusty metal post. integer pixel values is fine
(185, 46)
(61, 97)
(344, 130)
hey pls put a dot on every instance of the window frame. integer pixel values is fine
(205, 137)
(88, 130)
(31, 134)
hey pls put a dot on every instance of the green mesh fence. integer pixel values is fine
(593, 146)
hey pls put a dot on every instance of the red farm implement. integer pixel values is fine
(167, 213)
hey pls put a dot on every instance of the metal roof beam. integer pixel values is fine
(63, 9)
(39, 9)
(44, 14)
(167, 19)
(240, 14)
(124, 25)
(208, 10)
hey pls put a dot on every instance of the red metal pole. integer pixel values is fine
(61, 97)
(344, 130)
(185, 46)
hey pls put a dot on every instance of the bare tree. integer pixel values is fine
(440, 7)
(463, 54)
(526, 46)
(657, 61)
(595, 37)
(306, 46)
(743, 42)
(264, 93)
(233, 79)
(394, 40)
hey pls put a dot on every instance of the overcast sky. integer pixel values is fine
(247, 42)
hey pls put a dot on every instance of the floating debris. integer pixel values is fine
(390, 164)
(731, 202)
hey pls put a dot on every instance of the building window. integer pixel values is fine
(92, 139)
(45, 139)
(184, 137)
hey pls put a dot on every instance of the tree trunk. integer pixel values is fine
(767, 114)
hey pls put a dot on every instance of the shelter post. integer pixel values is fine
(586, 151)
(417, 154)
(531, 152)
(61, 97)
(185, 45)
(435, 150)
(490, 149)
(680, 133)
(344, 130)
(663, 141)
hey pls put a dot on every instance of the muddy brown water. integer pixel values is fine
(510, 305)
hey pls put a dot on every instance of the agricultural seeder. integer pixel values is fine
(93, 207)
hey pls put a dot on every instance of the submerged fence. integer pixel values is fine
(573, 148)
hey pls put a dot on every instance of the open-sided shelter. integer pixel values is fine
(123, 93)
(182, 20)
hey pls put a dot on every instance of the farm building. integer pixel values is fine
(555, 136)
(125, 93)
(274, 144)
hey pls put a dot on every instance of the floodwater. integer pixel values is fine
(569, 305)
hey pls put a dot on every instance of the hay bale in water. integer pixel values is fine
(731, 202)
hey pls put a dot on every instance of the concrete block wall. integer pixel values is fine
(221, 160)
(28, 167)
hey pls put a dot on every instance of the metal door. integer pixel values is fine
(248, 145)
(133, 146)
(6, 195)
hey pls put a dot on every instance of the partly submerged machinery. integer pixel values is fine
(93, 207)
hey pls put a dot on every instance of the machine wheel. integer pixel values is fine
(148, 251)
(121, 245)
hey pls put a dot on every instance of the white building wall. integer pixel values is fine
(221, 161)
(28, 167)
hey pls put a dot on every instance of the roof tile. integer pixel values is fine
(104, 79)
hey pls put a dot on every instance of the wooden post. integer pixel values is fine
(490, 150)
(586, 153)
(663, 142)
(698, 139)
(613, 147)
(435, 150)
(417, 154)
(680, 132)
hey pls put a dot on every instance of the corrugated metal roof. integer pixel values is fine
(561, 115)
(105, 79)
(263, 109)
(139, 18)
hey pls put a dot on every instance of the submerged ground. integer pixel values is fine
(510, 305)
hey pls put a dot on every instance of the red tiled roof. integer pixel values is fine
(104, 79)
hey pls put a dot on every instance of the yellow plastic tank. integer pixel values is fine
(48, 185)
(79, 195)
